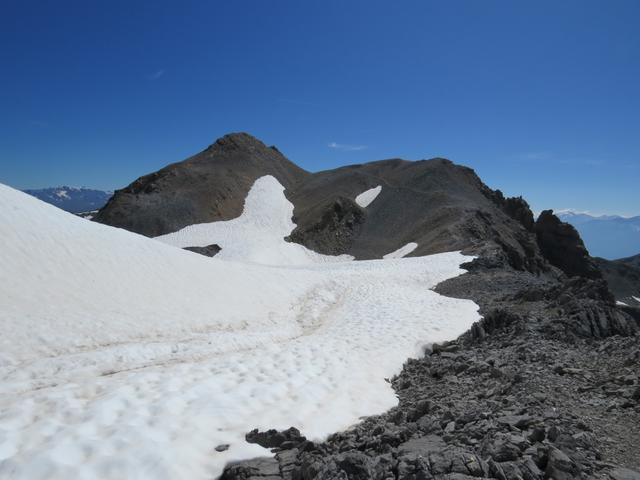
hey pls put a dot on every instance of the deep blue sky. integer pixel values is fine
(541, 98)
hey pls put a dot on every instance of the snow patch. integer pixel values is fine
(618, 302)
(368, 196)
(402, 251)
(257, 235)
(123, 357)
(637, 299)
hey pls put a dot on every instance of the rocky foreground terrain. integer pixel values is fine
(547, 385)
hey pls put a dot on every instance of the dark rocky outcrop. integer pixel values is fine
(516, 207)
(623, 278)
(208, 251)
(562, 246)
(331, 227)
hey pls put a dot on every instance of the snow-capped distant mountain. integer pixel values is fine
(72, 199)
(606, 236)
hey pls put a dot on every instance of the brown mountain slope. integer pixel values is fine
(435, 203)
(209, 186)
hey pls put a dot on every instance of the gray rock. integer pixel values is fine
(624, 474)
(422, 446)
(258, 468)
(519, 421)
(560, 466)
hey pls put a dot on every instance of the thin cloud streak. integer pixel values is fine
(346, 148)
(156, 75)
(292, 101)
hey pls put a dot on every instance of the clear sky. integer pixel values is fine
(541, 98)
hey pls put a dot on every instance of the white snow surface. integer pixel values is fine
(256, 235)
(368, 196)
(402, 251)
(122, 357)
(618, 302)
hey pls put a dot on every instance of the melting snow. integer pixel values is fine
(402, 251)
(368, 196)
(123, 357)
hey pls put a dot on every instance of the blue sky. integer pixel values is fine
(540, 98)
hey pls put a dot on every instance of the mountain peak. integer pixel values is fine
(237, 140)
(206, 187)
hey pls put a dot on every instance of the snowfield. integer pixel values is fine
(402, 251)
(256, 235)
(124, 357)
(368, 196)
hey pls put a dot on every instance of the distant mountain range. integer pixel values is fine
(72, 199)
(606, 236)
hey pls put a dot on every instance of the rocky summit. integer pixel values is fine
(206, 187)
(546, 385)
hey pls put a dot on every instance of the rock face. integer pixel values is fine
(208, 251)
(209, 186)
(331, 227)
(562, 246)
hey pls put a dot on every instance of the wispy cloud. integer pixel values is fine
(293, 101)
(345, 147)
(157, 74)
(534, 156)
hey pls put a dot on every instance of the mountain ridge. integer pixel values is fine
(435, 203)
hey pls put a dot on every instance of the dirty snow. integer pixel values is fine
(123, 357)
(368, 196)
(402, 251)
